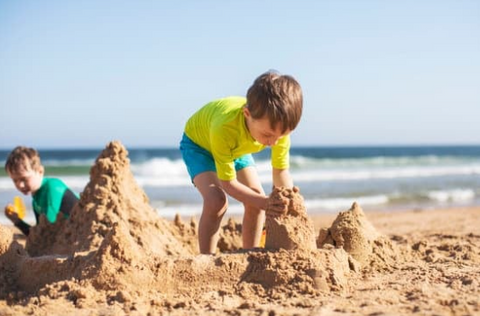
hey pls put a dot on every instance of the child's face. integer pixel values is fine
(26, 180)
(261, 129)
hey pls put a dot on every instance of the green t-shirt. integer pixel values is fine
(48, 199)
(220, 128)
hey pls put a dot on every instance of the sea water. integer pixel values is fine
(329, 178)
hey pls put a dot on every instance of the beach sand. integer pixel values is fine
(116, 256)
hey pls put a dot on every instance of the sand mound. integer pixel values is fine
(18, 271)
(283, 272)
(230, 237)
(11, 256)
(443, 248)
(353, 232)
(292, 230)
(44, 238)
(111, 196)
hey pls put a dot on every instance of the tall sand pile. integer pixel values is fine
(111, 196)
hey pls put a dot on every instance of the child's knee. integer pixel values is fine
(215, 204)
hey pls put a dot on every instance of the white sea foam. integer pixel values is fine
(384, 173)
(379, 161)
(195, 210)
(160, 167)
(343, 203)
(165, 173)
(163, 182)
(311, 170)
(454, 195)
(76, 183)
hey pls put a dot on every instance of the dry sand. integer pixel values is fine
(116, 256)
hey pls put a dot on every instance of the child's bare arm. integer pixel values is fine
(282, 178)
(245, 194)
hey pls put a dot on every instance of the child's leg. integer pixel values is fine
(253, 218)
(214, 207)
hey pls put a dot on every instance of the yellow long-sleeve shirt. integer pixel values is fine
(220, 128)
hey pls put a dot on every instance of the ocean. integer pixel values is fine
(329, 178)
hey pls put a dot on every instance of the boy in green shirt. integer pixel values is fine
(217, 145)
(50, 196)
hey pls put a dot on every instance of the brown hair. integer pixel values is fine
(277, 96)
(22, 158)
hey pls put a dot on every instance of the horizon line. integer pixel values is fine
(293, 146)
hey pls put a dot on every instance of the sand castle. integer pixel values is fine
(293, 230)
(352, 231)
(115, 249)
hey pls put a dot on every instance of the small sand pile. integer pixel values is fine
(352, 231)
(293, 229)
(187, 234)
(230, 236)
(11, 255)
(297, 272)
(44, 238)
(448, 248)
(18, 271)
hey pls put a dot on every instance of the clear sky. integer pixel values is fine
(81, 73)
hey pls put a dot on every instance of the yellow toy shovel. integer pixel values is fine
(19, 207)
(263, 238)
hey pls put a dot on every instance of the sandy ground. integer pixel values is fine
(115, 256)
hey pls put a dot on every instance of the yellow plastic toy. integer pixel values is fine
(262, 239)
(19, 207)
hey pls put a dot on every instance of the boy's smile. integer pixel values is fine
(261, 129)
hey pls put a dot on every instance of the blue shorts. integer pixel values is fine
(199, 160)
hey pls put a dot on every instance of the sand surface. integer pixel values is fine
(116, 256)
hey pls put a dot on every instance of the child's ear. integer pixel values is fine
(41, 170)
(246, 112)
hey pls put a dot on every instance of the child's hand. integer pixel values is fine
(11, 214)
(276, 208)
(277, 203)
(283, 200)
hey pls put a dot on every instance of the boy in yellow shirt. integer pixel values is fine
(217, 145)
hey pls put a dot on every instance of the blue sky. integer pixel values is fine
(81, 73)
